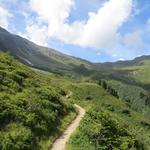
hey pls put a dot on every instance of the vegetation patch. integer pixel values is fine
(102, 132)
(31, 110)
(135, 97)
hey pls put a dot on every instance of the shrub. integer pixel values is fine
(126, 111)
(17, 137)
(135, 97)
(103, 132)
(31, 109)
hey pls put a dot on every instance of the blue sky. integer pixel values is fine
(96, 30)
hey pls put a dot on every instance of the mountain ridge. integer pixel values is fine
(115, 96)
(58, 52)
(35, 55)
(49, 59)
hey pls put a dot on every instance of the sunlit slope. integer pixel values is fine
(31, 109)
(38, 56)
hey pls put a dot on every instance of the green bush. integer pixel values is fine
(103, 132)
(31, 109)
(17, 137)
(135, 97)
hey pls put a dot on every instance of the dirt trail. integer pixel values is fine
(60, 143)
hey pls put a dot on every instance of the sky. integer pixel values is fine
(96, 30)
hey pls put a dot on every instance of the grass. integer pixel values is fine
(24, 88)
(140, 72)
(103, 102)
(30, 103)
(45, 144)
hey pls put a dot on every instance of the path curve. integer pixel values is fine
(60, 143)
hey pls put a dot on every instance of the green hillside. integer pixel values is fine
(109, 123)
(134, 96)
(32, 112)
(40, 57)
(138, 70)
(36, 106)
(141, 72)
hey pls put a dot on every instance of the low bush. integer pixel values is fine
(103, 132)
(30, 108)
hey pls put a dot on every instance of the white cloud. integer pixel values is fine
(4, 17)
(36, 33)
(121, 59)
(99, 31)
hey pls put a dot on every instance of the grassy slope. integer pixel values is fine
(38, 56)
(138, 72)
(141, 73)
(96, 100)
(32, 111)
(89, 95)
(136, 97)
(92, 97)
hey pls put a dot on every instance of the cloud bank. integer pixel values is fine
(99, 31)
(110, 30)
(4, 17)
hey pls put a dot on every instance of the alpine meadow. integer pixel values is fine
(74, 75)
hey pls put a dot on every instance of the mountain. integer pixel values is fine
(115, 96)
(36, 107)
(31, 109)
(51, 60)
(132, 72)
(38, 56)
(122, 64)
